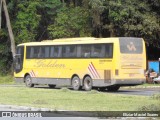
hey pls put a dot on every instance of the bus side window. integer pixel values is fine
(69, 51)
(52, 51)
(46, 54)
(55, 52)
(58, 51)
(98, 51)
(29, 51)
(102, 54)
(72, 52)
(86, 51)
(109, 50)
(93, 51)
(41, 52)
(31, 54)
(65, 51)
(35, 52)
(78, 51)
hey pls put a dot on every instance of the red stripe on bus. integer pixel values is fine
(33, 74)
(91, 71)
(95, 70)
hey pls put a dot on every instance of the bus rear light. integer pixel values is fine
(116, 72)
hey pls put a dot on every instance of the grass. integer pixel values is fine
(6, 79)
(65, 99)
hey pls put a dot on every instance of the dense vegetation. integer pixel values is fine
(35, 20)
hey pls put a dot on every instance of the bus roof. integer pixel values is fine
(64, 41)
(70, 39)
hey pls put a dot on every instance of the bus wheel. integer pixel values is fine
(52, 86)
(28, 81)
(113, 88)
(87, 83)
(76, 83)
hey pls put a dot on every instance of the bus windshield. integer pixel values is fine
(131, 45)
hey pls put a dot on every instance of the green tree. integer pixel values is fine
(5, 52)
(27, 21)
(70, 22)
(48, 11)
(155, 5)
(131, 18)
(36, 20)
(96, 9)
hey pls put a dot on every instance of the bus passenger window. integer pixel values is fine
(41, 52)
(72, 52)
(102, 54)
(35, 52)
(65, 51)
(46, 52)
(98, 51)
(109, 50)
(52, 52)
(30, 52)
(59, 51)
(69, 51)
(56, 52)
(78, 51)
(86, 51)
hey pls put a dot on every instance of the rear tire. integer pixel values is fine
(87, 83)
(28, 81)
(113, 88)
(76, 83)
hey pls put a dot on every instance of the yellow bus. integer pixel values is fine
(103, 63)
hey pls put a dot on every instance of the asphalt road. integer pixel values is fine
(128, 91)
(138, 91)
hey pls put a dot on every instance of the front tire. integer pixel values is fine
(87, 83)
(28, 81)
(76, 83)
